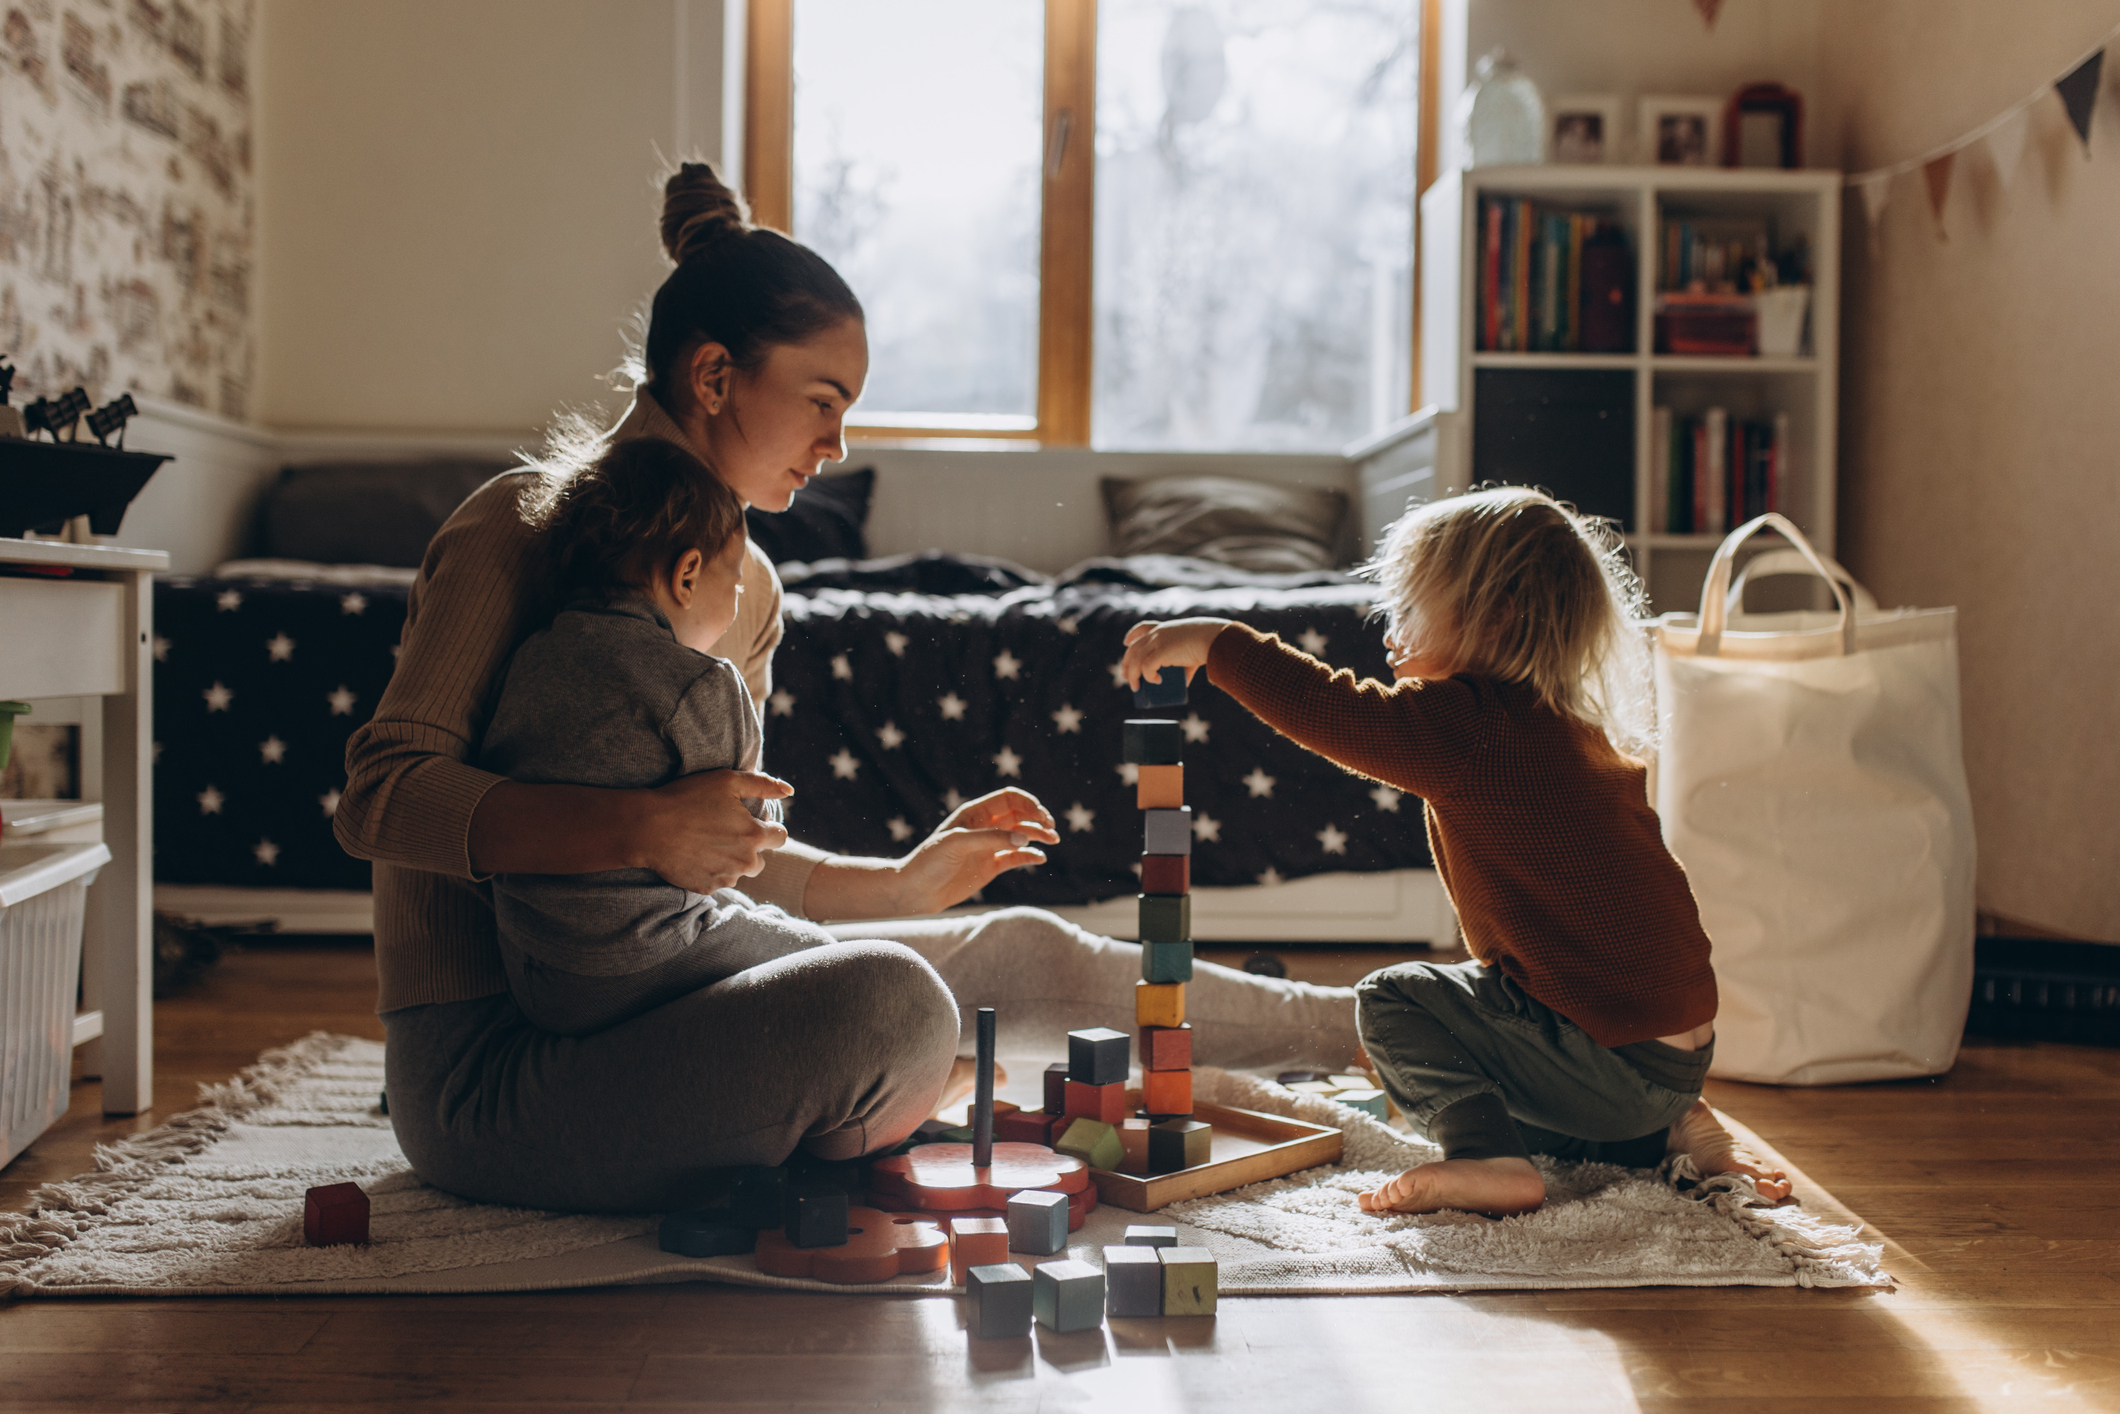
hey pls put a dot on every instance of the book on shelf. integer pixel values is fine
(1728, 255)
(1552, 281)
(1709, 472)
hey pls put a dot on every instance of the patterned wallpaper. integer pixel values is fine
(126, 198)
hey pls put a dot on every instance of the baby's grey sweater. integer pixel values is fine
(607, 696)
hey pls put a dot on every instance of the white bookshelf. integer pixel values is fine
(1637, 199)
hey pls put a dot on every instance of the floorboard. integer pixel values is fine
(1994, 1187)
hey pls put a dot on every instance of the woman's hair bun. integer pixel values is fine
(699, 211)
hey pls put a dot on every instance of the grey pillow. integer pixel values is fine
(366, 513)
(1252, 525)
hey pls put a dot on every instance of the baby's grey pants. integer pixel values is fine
(841, 1050)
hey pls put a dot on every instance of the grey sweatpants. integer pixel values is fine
(840, 1050)
(1486, 1070)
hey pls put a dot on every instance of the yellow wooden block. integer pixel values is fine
(1160, 787)
(1159, 1003)
(1190, 1281)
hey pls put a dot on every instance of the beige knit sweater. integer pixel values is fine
(410, 794)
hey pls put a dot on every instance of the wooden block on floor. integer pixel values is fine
(1164, 918)
(1166, 962)
(1151, 1235)
(817, 1218)
(1099, 1102)
(976, 1242)
(1166, 874)
(1179, 1144)
(698, 1234)
(1166, 1047)
(998, 1300)
(1151, 741)
(1160, 787)
(1037, 1222)
(1167, 1092)
(1133, 1146)
(1025, 1127)
(1056, 1087)
(1068, 1296)
(1096, 1055)
(1369, 1102)
(333, 1214)
(1189, 1281)
(1158, 1004)
(752, 1195)
(1167, 831)
(1167, 690)
(1095, 1143)
(1133, 1281)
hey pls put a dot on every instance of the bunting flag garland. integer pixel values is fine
(2006, 146)
(1876, 190)
(2079, 94)
(1938, 176)
(1709, 9)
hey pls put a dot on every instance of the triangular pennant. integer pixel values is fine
(1709, 9)
(1876, 191)
(1937, 173)
(2079, 94)
(2006, 146)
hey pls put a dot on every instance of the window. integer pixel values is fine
(1182, 224)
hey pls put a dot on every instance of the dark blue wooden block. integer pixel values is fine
(818, 1218)
(1096, 1056)
(1151, 741)
(1167, 691)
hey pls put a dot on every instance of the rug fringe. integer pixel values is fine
(1822, 1252)
(122, 1169)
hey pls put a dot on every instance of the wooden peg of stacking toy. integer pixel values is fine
(333, 1214)
(983, 1092)
(1190, 1281)
(878, 1246)
(1133, 1281)
(1068, 1296)
(998, 1296)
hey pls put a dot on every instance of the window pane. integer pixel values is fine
(1254, 249)
(918, 130)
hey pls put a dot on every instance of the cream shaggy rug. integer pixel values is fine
(211, 1204)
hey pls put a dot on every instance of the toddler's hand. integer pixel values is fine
(1181, 643)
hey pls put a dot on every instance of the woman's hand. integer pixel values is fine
(697, 833)
(1181, 643)
(980, 840)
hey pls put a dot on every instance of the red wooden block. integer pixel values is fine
(335, 1213)
(1056, 1087)
(976, 1242)
(879, 1246)
(1166, 873)
(939, 1178)
(1166, 1048)
(1025, 1127)
(1167, 1092)
(1099, 1102)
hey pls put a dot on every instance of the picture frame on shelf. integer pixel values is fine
(1763, 127)
(1678, 131)
(1583, 128)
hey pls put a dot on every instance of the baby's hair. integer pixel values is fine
(1507, 583)
(631, 515)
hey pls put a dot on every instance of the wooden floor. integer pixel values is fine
(1994, 1187)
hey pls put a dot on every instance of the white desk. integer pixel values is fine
(91, 636)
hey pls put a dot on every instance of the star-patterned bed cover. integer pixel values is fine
(888, 709)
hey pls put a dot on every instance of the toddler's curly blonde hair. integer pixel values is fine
(1507, 583)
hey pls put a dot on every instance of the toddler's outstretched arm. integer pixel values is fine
(1181, 643)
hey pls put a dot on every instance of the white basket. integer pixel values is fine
(43, 893)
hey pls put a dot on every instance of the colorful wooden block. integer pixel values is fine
(1151, 1235)
(1056, 1087)
(976, 1242)
(1068, 1296)
(1167, 831)
(750, 1195)
(1025, 1127)
(333, 1214)
(1133, 1281)
(1189, 1281)
(879, 1246)
(1164, 918)
(1151, 741)
(1166, 1047)
(1178, 1144)
(1159, 1003)
(1096, 1056)
(1037, 1222)
(817, 1218)
(1167, 1092)
(704, 1235)
(1094, 1142)
(998, 1301)
(1160, 787)
(1166, 874)
(1166, 690)
(1166, 962)
(1133, 1146)
(1101, 1102)
(1369, 1102)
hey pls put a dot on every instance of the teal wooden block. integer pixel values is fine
(1068, 1296)
(1166, 962)
(1369, 1102)
(1165, 918)
(998, 1298)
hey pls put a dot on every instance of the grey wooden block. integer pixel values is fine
(1133, 1281)
(1167, 831)
(1037, 1222)
(1068, 1296)
(1150, 1235)
(999, 1300)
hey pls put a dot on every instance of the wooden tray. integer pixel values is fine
(1249, 1147)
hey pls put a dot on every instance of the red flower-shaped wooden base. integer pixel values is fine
(940, 1178)
(879, 1246)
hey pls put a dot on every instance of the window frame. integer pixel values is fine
(1067, 207)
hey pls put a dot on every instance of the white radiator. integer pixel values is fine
(43, 893)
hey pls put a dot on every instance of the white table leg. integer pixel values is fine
(120, 924)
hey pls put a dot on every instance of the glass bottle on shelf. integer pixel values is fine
(1501, 119)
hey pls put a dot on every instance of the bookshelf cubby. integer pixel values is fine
(1579, 424)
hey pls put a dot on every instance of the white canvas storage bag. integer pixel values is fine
(1812, 783)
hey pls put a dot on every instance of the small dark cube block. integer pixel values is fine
(818, 1218)
(1151, 741)
(1167, 691)
(704, 1235)
(999, 1298)
(334, 1214)
(749, 1195)
(1179, 1144)
(1165, 918)
(1056, 1086)
(1166, 1047)
(1096, 1056)
(1133, 1282)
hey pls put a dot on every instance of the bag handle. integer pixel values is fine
(1715, 592)
(1769, 563)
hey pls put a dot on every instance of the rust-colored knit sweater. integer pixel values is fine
(1541, 830)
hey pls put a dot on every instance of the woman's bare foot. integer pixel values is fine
(964, 1079)
(1701, 1137)
(1497, 1187)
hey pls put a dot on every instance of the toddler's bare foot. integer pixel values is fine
(1497, 1187)
(964, 1079)
(1701, 1137)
